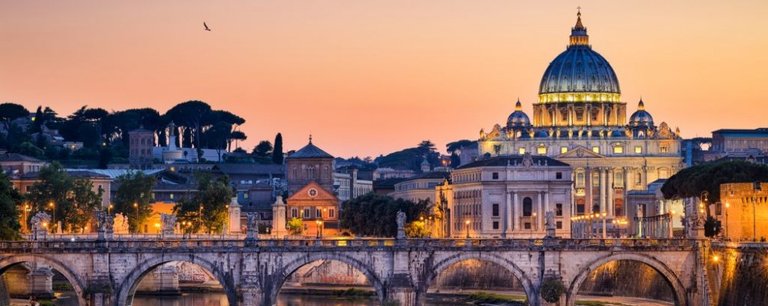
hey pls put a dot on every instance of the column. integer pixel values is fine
(588, 190)
(626, 189)
(601, 172)
(507, 213)
(644, 177)
(540, 214)
(611, 192)
(546, 202)
(517, 209)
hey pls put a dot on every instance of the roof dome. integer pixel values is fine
(579, 68)
(518, 118)
(641, 117)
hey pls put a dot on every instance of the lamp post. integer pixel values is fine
(136, 207)
(467, 224)
(109, 209)
(53, 211)
(727, 205)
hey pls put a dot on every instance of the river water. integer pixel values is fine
(219, 299)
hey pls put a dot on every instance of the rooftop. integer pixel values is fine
(514, 160)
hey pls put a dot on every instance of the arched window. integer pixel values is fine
(527, 207)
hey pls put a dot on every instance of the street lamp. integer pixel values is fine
(727, 205)
(467, 223)
(109, 209)
(53, 210)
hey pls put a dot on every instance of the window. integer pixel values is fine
(563, 150)
(638, 149)
(331, 213)
(521, 151)
(618, 150)
(170, 196)
(306, 213)
(294, 213)
(541, 150)
(559, 209)
(595, 179)
(596, 149)
(527, 207)
(527, 225)
(495, 210)
(580, 179)
(638, 178)
(495, 175)
(559, 175)
(318, 213)
(559, 224)
(663, 149)
(245, 195)
(495, 225)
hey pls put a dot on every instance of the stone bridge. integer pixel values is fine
(107, 272)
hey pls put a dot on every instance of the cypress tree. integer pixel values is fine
(277, 151)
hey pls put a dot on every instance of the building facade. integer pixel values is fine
(420, 187)
(140, 144)
(743, 212)
(581, 120)
(508, 196)
(311, 192)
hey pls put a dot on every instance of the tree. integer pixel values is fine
(455, 160)
(295, 226)
(208, 208)
(10, 200)
(712, 227)
(10, 111)
(277, 152)
(189, 116)
(263, 149)
(50, 192)
(84, 203)
(552, 289)
(134, 188)
(693, 181)
(375, 215)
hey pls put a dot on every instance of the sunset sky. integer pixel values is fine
(370, 77)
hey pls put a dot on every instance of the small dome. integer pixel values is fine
(641, 117)
(518, 118)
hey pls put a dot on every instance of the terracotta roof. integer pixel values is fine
(310, 151)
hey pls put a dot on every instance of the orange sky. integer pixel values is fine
(370, 77)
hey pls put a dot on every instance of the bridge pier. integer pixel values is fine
(41, 282)
(401, 290)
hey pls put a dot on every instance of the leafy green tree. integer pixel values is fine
(10, 200)
(83, 203)
(51, 192)
(295, 226)
(134, 188)
(693, 181)
(207, 209)
(375, 215)
(263, 149)
(277, 152)
(190, 117)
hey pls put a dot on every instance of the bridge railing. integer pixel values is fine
(178, 243)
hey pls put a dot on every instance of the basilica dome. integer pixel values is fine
(518, 118)
(579, 69)
(641, 117)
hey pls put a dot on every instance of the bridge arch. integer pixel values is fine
(280, 277)
(434, 271)
(131, 281)
(660, 267)
(77, 284)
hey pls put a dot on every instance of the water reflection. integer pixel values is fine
(187, 299)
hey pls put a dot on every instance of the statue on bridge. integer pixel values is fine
(105, 225)
(40, 222)
(120, 224)
(400, 219)
(168, 224)
(550, 224)
(252, 233)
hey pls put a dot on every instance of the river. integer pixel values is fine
(219, 299)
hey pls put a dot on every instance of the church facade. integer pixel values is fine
(580, 119)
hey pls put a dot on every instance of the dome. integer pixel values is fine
(518, 118)
(579, 68)
(641, 117)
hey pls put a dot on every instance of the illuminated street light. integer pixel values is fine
(467, 224)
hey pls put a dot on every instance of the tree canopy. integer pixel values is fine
(411, 158)
(208, 208)
(375, 215)
(134, 188)
(693, 181)
(10, 200)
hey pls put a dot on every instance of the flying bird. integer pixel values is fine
(206, 26)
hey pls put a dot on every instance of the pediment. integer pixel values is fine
(312, 192)
(580, 152)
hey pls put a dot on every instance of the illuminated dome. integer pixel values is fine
(518, 118)
(580, 70)
(641, 117)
